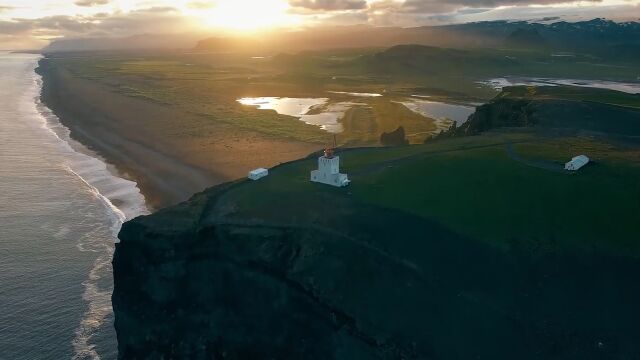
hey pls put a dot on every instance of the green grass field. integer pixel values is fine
(473, 187)
(211, 89)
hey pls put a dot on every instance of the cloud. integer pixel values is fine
(52, 24)
(433, 6)
(15, 27)
(408, 12)
(201, 5)
(104, 21)
(89, 3)
(158, 20)
(328, 5)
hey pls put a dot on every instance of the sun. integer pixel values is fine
(248, 15)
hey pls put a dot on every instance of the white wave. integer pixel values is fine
(96, 179)
(499, 83)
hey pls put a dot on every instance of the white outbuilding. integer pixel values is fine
(576, 163)
(329, 171)
(258, 173)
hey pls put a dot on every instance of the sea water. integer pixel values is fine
(58, 226)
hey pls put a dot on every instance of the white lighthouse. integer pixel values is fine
(329, 171)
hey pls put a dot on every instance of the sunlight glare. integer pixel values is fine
(247, 15)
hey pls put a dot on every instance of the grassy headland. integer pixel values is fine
(478, 240)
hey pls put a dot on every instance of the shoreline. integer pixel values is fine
(159, 147)
(120, 199)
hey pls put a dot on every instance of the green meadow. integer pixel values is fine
(474, 187)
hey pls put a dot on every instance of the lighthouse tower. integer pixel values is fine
(329, 170)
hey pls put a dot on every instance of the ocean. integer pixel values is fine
(61, 207)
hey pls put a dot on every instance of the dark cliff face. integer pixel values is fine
(396, 137)
(500, 113)
(210, 279)
(522, 107)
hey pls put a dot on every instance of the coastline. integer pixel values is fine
(86, 204)
(164, 150)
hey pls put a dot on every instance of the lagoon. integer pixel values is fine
(313, 111)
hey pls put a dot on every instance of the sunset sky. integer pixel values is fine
(33, 23)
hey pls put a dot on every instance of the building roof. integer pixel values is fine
(580, 158)
(258, 171)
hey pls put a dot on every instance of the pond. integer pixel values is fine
(443, 113)
(313, 111)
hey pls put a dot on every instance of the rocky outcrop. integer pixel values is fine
(522, 107)
(394, 138)
(502, 112)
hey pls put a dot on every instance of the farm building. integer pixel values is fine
(329, 171)
(576, 163)
(258, 173)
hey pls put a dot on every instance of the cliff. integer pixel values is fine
(282, 268)
(569, 109)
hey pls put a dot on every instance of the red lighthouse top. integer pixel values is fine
(328, 153)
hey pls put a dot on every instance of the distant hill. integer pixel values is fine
(136, 42)
(525, 39)
(586, 36)
(594, 36)
(415, 60)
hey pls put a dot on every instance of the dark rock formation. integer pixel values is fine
(394, 138)
(499, 113)
(519, 107)
(210, 279)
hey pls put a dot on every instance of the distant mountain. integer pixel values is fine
(595, 36)
(136, 42)
(419, 60)
(525, 39)
(584, 36)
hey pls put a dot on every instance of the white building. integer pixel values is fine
(258, 173)
(329, 171)
(576, 163)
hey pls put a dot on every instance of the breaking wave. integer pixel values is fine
(122, 200)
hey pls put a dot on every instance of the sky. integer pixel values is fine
(32, 24)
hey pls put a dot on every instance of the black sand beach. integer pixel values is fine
(171, 154)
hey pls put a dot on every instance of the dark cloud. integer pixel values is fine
(424, 12)
(328, 5)
(408, 12)
(92, 2)
(434, 6)
(14, 27)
